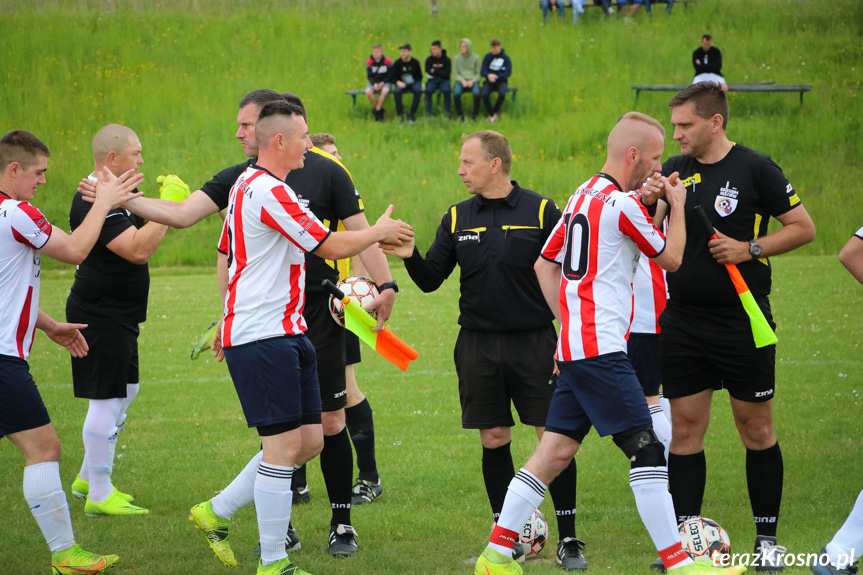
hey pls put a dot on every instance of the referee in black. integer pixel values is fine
(706, 341)
(505, 348)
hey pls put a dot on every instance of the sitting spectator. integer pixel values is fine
(406, 76)
(438, 67)
(496, 69)
(545, 4)
(465, 69)
(708, 63)
(577, 9)
(377, 71)
(633, 10)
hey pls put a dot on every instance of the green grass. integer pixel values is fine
(186, 438)
(175, 71)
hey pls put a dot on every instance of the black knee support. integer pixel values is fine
(642, 447)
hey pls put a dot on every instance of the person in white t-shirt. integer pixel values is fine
(25, 236)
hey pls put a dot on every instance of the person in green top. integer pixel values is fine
(465, 72)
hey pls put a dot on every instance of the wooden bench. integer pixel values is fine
(354, 93)
(739, 87)
(648, 4)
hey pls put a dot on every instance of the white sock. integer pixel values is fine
(47, 500)
(524, 495)
(849, 538)
(650, 487)
(661, 427)
(666, 407)
(273, 500)
(240, 492)
(132, 390)
(98, 428)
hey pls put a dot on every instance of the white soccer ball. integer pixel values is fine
(358, 288)
(534, 534)
(703, 537)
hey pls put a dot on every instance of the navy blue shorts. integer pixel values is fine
(643, 352)
(600, 391)
(21, 406)
(276, 381)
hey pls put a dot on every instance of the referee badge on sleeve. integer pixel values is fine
(724, 206)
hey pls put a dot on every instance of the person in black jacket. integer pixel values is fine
(406, 76)
(438, 68)
(496, 69)
(707, 61)
(378, 71)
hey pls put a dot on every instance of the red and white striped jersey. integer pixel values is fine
(598, 243)
(649, 296)
(23, 230)
(859, 233)
(265, 236)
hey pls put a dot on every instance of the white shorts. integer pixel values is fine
(708, 78)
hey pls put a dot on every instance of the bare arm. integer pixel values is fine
(548, 274)
(222, 277)
(375, 263)
(137, 245)
(675, 239)
(66, 334)
(175, 214)
(851, 257)
(111, 193)
(797, 229)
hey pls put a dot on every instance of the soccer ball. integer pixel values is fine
(703, 537)
(534, 534)
(360, 289)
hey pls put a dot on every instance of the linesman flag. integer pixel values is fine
(762, 333)
(361, 323)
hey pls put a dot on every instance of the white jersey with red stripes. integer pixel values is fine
(23, 231)
(598, 243)
(649, 296)
(265, 236)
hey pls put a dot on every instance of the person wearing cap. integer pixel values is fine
(406, 76)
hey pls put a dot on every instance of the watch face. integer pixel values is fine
(755, 250)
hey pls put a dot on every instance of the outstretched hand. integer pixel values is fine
(116, 191)
(69, 336)
(392, 231)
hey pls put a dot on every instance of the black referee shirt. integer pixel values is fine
(739, 193)
(107, 286)
(322, 186)
(495, 243)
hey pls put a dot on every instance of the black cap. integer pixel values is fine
(405, 47)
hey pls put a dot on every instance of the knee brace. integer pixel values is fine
(642, 447)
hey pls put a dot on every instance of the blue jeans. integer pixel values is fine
(457, 91)
(433, 86)
(416, 88)
(487, 89)
(544, 4)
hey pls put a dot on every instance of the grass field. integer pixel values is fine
(186, 438)
(174, 71)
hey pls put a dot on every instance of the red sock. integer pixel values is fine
(673, 555)
(507, 538)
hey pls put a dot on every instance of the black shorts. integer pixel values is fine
(328, 337)
(712, 348)
(352, 348)
(495, 368)
(21, 406)
(643, 352)
(275, 381)
(111, 363)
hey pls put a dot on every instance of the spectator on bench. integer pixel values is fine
(407, 76)
(545, 4)
(466, 75)
(496, 69)
(438, 68)
(378, 70)
(708, 63)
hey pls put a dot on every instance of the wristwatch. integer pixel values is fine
(391, 285)
(754, 249)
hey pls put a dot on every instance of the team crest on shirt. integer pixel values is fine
(726, 201)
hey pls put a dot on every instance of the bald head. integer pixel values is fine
(112, 138)
(633, 129)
